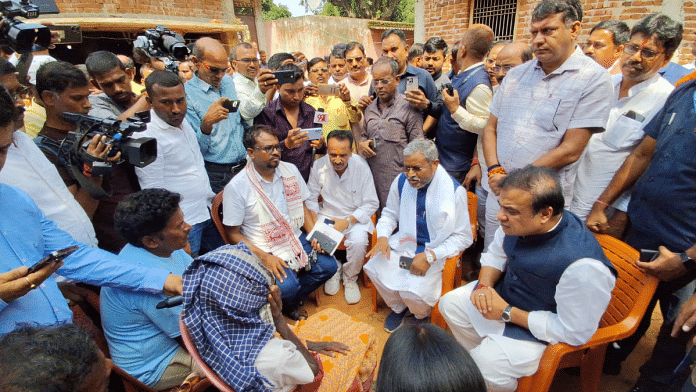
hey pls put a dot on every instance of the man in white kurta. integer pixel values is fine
(432, 215)
(344, 182)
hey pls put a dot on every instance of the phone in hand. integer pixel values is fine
(648, 255)
(449, 88)
(405, 262)
(372, 144)
(231, 105)
(284, 76)
(56, 255)
(328, 89)
(412, 83)
(314, 133)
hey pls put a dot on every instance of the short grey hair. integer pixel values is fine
(426, 147)
(393, 65)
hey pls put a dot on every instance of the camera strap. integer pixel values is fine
(22, 66)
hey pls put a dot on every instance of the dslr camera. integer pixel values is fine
(20, 36)
(165, 45)
(138, 152)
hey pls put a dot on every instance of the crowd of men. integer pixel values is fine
(558, 138)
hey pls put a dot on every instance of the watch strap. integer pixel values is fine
(506, 316)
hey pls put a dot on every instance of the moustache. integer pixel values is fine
(634, 64)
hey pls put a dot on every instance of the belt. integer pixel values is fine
(225, 167)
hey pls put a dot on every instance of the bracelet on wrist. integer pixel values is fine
(286, 144)
(497, 170)
(475, 161)
(493, 167)
(480, 286)
(602, 203)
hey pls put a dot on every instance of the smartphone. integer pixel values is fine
(412, 83)
(56, 255)
(648, 255)
(449, 88)
(373, 144)
(284, 77)
(634, 116)
(314, 133)
(231, 105)
(405, 262)
(328, 89)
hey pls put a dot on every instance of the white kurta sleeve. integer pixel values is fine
(462, 237)
(495, 256)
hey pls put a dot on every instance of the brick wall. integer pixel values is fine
(207, 9)
(446, 19)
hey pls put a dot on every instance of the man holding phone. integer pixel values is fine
(217, 122)
(290, 116)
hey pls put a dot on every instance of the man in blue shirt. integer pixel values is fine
(26, 236)
(219, 130)
(143, 340)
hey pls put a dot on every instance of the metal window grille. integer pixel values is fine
(499, 15)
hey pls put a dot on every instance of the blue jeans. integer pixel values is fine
(204, 237)
(299, 285)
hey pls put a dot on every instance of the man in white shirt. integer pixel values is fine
(264, 207)
(639, 93)
(344, 182)
(432, 216)
(252, 82)
(179, 165)
(358, 80)
(544, 280)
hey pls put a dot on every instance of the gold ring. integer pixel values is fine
(31, 285)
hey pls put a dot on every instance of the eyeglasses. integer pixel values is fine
(357, 60)
(646, 54)
(20, 93)
(594, 45)
(268, 149)
(215, 70)
(505, 68)
(316, 70)
(249, 61)
(377, 82)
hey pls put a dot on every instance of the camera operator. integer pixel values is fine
(117, 100)
(218, 129)
(64, 88)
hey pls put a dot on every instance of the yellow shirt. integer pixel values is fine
(340, 114)
(34, 119)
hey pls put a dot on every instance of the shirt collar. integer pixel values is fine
(638, 87)
(573, 63)
(241, 78)
(158, 123)
(201, 84)
(366, 81)
(472, 66)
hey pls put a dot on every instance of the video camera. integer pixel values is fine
(23, 37)
(138, 152)
(165, 45)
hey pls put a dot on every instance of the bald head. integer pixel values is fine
(210, 58)
(510, 56)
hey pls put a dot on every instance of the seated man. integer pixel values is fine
(544, 279)
(348, 194)
(433, 220)
(264, 207)
(232, 310)
(143, 340)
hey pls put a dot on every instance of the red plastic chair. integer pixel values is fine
(629, 300)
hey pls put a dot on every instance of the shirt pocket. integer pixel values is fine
(545, 113)
(625, 132)
(394, 131)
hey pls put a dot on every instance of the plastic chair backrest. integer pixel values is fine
(216, 214)
(472, 201)
(191, 347)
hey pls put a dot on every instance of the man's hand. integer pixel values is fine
(296, 137)
(364, 102)
(494, 181)
(71, 292)
(451, 101)
(417, 99)
(341, 224)
(687, 317)
(597, 220)
(16, 283)
(266, 80)
(328, 348)
(382, 245)
(98, 148)
(173, 285)
(489, 303)
(276, 302)
(276, 265)
(420, 265)
(311, 90)
(216, 113)
(667, 266)
(344, 93)
(316, 246)
(319, 143)
(474, 174)
(365, 151)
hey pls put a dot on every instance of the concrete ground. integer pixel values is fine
(563, 382)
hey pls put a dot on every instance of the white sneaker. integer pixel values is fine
(332, 285)
(352, 292)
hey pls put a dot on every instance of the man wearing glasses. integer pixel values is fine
(253, 94)
(358, 80)
(218, 129)
(389, 124)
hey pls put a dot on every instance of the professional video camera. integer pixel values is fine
(165, 45)
(138, 152)
(23, 37)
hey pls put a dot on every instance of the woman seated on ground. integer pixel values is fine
(425, 358)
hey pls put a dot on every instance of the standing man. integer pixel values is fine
(415, 55)
(434, 55)
(606, 42)
(358, 80)
(218, 129)
(265, 207)
(389, 124)
(512, 55)
(345, 184)
(289, 115)
(337, 64)
(546, 109)
(251, 81)
(179, 165)
(491, 58)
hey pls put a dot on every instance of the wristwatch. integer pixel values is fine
(688, 262)
(506, 314)
(429, 257)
